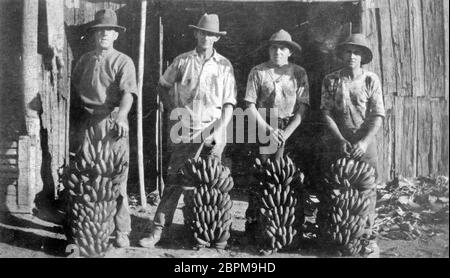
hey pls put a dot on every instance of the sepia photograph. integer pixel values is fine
(225, 129)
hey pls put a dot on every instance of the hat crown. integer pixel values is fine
(281, 35)
(209, 22)
(106, 16)
(356, 38)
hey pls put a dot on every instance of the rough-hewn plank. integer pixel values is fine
(445, 12)
(424, 123)
(417, 51)
(370, 29)
(439, 137)
(401, 45)
(434, 47)
(388, 63)
(405, 135)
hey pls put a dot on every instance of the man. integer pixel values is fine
(200, 85)
(281, 85)
(352, 106)
(104, 80)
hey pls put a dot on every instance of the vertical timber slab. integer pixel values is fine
(445, 11)
(388, 62)
(417, 51)
(434, 47)
(402, 46)
(370, 29)
(439, 137)
(25, 181)
(424, 130)
(405, 135)
(385, 140)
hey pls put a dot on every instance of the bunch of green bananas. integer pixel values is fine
(280, 203)
(208, 203)
(345, 205)
(91, 184)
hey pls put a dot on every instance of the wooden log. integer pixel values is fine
(8, 161)
(424, 129)
(8, 152)
(401, 44)
(405, 135)
(434, 47)
(8, 145)
(417, 51)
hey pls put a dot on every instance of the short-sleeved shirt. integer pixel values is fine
(284, 93)
(351, 102)
(102, 79)
(200, 87)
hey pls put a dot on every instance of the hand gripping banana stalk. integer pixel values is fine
(279, 204)
(207, 212)
(345, 205)
(91, 184)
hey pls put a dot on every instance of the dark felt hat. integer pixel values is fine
(209, 23)
(283, 37)
(106, 18)
(360, 41)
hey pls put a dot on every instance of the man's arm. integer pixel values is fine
(344, 146)
(275, 133)
(121, 120)
(298, 117)
(360, 148)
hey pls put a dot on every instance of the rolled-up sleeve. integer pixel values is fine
(376, 104)
(127, 79)
(251, 92)
(230, 90)
(170, 75)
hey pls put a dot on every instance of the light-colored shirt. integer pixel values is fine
(284, 92)
(351, 102)
(101, 79)
(200, 87)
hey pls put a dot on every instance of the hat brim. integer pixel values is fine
(367, 55)
(219, 33)
(100, 26)
(292, 45)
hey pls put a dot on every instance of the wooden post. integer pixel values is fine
(139, 104)
(159, 130)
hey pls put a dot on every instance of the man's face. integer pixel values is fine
(104, 38)
(279, 54)
(205, 40)
(352, 56)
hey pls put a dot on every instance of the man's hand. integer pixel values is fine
(121, 125)
(213, 139)
(359, 149)
(277, 135)
(345, 147)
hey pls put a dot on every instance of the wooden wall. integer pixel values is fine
(410, 39)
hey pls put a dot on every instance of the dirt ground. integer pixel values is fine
(26, 236)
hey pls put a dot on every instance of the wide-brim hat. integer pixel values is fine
(284, 38)
(209, 23)
(106, 18)
(360, 41)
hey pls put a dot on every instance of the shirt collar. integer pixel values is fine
(215, 56)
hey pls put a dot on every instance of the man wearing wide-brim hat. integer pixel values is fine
(280, 89)
(199, 90)
(104, 80)
(353, 108)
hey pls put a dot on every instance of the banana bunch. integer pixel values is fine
(280, 202)
(92, 183)
(345, 205)
(208, 204)
(358, 173)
